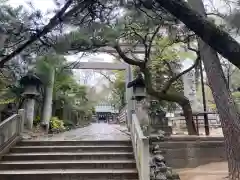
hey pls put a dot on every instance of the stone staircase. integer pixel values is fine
(69, 160)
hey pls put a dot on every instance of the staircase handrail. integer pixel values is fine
(10, 131)
(141, 149)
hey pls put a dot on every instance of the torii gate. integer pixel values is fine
(139, 49)
(114, 66)
(111, 66)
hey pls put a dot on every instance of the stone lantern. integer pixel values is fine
(138, 85)
(31, 84)
(159, 121)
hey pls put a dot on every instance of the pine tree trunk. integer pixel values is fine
(227, 109)
(47, 107)
(187, 112)
(228, 113)
(172, 97)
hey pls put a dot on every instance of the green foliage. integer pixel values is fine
(118, 89)
(67, 92)
(56, 125)
(236, 96)
(234, 79)
(68, 124)
(208, 95)
(7, 101)
(37, 120)
(166, 62)
(48, 63)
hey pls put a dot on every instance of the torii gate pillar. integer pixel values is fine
(129, 94)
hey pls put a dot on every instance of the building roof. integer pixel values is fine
(105, 108)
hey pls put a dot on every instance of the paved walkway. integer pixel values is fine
(95, 131)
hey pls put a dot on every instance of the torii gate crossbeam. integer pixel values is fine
(97, 65)
(139, 49)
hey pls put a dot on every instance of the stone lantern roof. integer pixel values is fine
(30, 79)
(137, 82)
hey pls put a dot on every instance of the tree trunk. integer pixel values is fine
(47, 106)
(218, 39)
(187, 112)
(172, 97)
(227, 109)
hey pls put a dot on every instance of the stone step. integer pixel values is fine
(106, 148)
(72, 164)
(74, 143)
(68, 156)
(69, 174)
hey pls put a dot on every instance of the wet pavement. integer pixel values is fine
(95, 131)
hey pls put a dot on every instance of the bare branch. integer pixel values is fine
(127, 59)
(148, 51)
(217, 14)
(189, 47)
(169, 67)
(107, 77)
(175, 78)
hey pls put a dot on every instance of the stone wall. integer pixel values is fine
(190, 152)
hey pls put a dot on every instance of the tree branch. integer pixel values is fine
(111, 81)
(170, 97)
(169, 67)
(148, 51)
(127, 59)
(218, 39)
(217, 14)
(175, 78)
(54, 21)
(107, 77)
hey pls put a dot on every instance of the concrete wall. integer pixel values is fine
(191, 152)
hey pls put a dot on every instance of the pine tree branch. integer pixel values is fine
(148, 49)
(127, 59)
(215, 37)
(54, 21)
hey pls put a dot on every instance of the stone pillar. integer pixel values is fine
(189, 86)
(30, 103)
(129, 93)
(21, 113)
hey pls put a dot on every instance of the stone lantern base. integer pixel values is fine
(158, 125)
(157, 130)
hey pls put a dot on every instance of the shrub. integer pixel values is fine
(69, 124)
(56, 125)
(36, 121)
